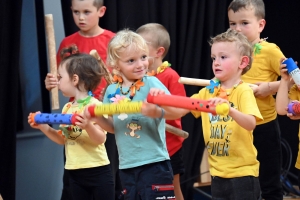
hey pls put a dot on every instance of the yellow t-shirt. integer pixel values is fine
(231, 152)
(294, 94)
(265, 68)
(81, 151)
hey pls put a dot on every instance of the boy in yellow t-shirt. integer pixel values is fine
(228, 139)
(247, 17)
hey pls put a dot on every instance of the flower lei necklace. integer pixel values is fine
(258, 47)
(160, 69)
(220, 92)
(135, 86)
(65, 130)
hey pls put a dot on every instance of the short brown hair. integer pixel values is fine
(97, 3)
(258, 5)
(159, 35)
(243, 45)
(85, 66)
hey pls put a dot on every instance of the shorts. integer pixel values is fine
(177, 162)
(148, 182)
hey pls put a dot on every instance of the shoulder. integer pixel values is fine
(271, 48)
(94, 100)
(170, 73)
(107, 34)
(71, 37)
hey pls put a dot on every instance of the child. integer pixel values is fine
(86, 15)
(145, 168)
(158, 41)
(229, 140)
(247, 17)
(87, 163)
(287, 93)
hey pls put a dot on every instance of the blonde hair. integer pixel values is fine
(241, 41)
(123, 40)
(159, 36)
(96, 3)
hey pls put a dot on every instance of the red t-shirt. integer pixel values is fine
(169, 78)
(85, 45)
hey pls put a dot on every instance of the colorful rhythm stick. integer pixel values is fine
(188, 103)
(294, 108)
(110, 109)
(53, 118)
(130, 107)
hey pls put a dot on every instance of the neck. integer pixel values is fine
(230, 83)
(256, 40)
(80, 96)
(156, 64)
(92, 32)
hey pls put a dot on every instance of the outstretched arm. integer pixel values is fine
(282, 99)
(50, 132)
(105, 123)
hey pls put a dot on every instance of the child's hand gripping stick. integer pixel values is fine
(294, 108)
(188, 103)
(293, 70)
(53, 118)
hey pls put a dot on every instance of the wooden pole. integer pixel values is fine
(52, 57)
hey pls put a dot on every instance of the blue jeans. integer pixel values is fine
(240, 188)
(148, 182)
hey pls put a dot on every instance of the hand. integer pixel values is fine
(216, 100)
(156, 91)
(262, 90)
(283, 70)
(82, 122)
(101, 95)
(86, 113)
(33, 124)
(149, 109)
(50, 81)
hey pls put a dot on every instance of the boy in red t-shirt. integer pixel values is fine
(158, 40)
(86, 15)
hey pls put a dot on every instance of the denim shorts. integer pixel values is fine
(148, 182)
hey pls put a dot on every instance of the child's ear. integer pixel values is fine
(101, 11)
(262, 24)
(75, 79)
(160, 51)
(244, 62)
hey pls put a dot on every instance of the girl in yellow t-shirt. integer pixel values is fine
(87, 163)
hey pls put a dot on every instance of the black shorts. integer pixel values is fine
(177, 162)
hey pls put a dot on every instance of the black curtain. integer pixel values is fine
(191, 23)
(10, 21)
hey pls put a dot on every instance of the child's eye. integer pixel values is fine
(75, 12)
(58, 77)
(130, 61)
(223, 57)
(213, 58)
(245, 23)
(144, 57)
(231, 24)
(86, 12)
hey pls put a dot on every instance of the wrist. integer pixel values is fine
(270, 88)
